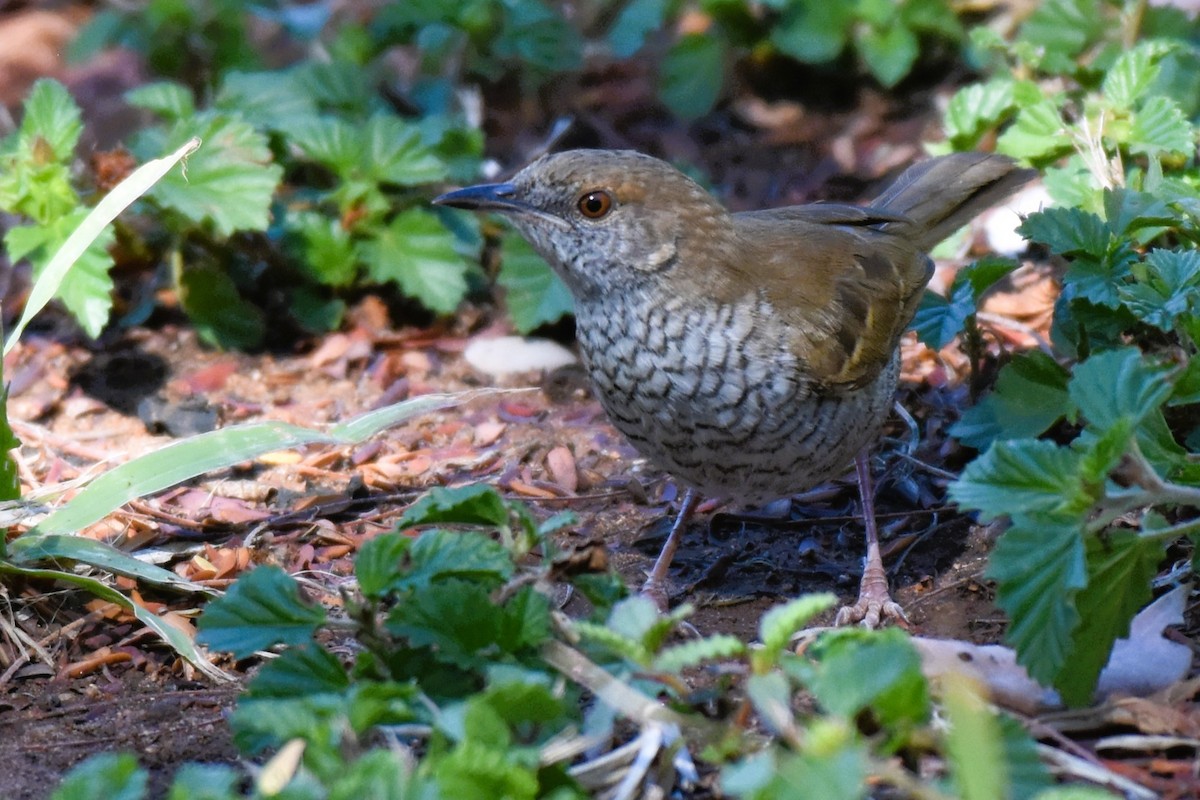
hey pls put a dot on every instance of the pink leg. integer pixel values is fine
(874, 604)
(655, 586)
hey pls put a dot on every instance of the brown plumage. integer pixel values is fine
(750, 355)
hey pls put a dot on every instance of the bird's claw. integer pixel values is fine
(872, 610)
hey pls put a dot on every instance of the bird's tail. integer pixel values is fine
(942, 194)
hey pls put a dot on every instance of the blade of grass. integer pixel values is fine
(185, 459)
(177, 639)
(116, 201)
(39, 549)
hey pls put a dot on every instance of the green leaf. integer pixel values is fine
(1168, 289)
(537, 38)
(974, 745)
(108, 776)
(172, 101)
(378, 563)
(977, 109)
(1037, 133)
(324, 249)
(1030, 396)
(262, 608)
(888, 52)
(274, 100)
(1068, 231)
(394, 153)
(1062, 28)
(1160, 127)
(86, 288)
(1121, 566)
(204, 782)
(229, 182)
(533, 294)
(938, 320)
(1039, 567)
(472, 504)
(474, 771)
(37, 548)
(815, 33)
(833, 772)
(692, 73)
(636, 21)
(1024, 475)
(222, 317)
(1130, 76)
(1118, 384)
(92, 227)
(857, 669)
(717, 647)
(300, 671)
(52, 118)
(417, 252)
(379, 775)
(439, 555)
(778, 625)
(771, 697)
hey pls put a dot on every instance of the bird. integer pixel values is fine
(750, 355)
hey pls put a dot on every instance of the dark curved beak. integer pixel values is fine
(485, 197)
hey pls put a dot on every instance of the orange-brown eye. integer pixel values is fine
(595, 205)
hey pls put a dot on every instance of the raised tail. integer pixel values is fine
(942, 194)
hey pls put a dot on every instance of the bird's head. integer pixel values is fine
(606, 220)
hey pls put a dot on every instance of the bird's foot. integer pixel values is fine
(874, 607)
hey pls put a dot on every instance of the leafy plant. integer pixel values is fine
(1089, 450)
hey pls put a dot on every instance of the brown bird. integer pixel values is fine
(754, 355)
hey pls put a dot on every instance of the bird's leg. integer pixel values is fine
(874, 604)
(655, 586)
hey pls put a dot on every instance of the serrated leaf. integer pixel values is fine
(378, 563)
(172, 101)
(857, 669)
(938, 320)
(108, 776)
(533, 293)
(888, 52)
(1068, 231)
(395, 153)
(300, 671)
(1037, 132)
(1118, 384)
(1024, 475)
(538, 38)
(379, 775)
(418, 253)
(52, 117)
(324, 249)
(439, 555)
(1039, 567)
(635, 22)
(974, 747)
(475, 770)
(275, 100)
(229, 181)
(778, 625)
(691, 654)
(473, 504)
(1062, 28)
(976, 109)
(1030, 395)
(204, 782)
(814, 33)
(1130, 76)
(691, 75)
(1129, 211)
(86, 288)
(1120, 569)
(261, 609)
(221, 316)
(1159, 126)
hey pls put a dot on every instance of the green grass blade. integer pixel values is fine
(179, 641)
(116, 201)
(35, 549)
(187, 458)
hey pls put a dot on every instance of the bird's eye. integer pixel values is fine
(595, 205)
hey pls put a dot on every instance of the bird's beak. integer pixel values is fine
(485, 197)
(500, 197)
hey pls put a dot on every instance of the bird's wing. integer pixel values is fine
(847, 279)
